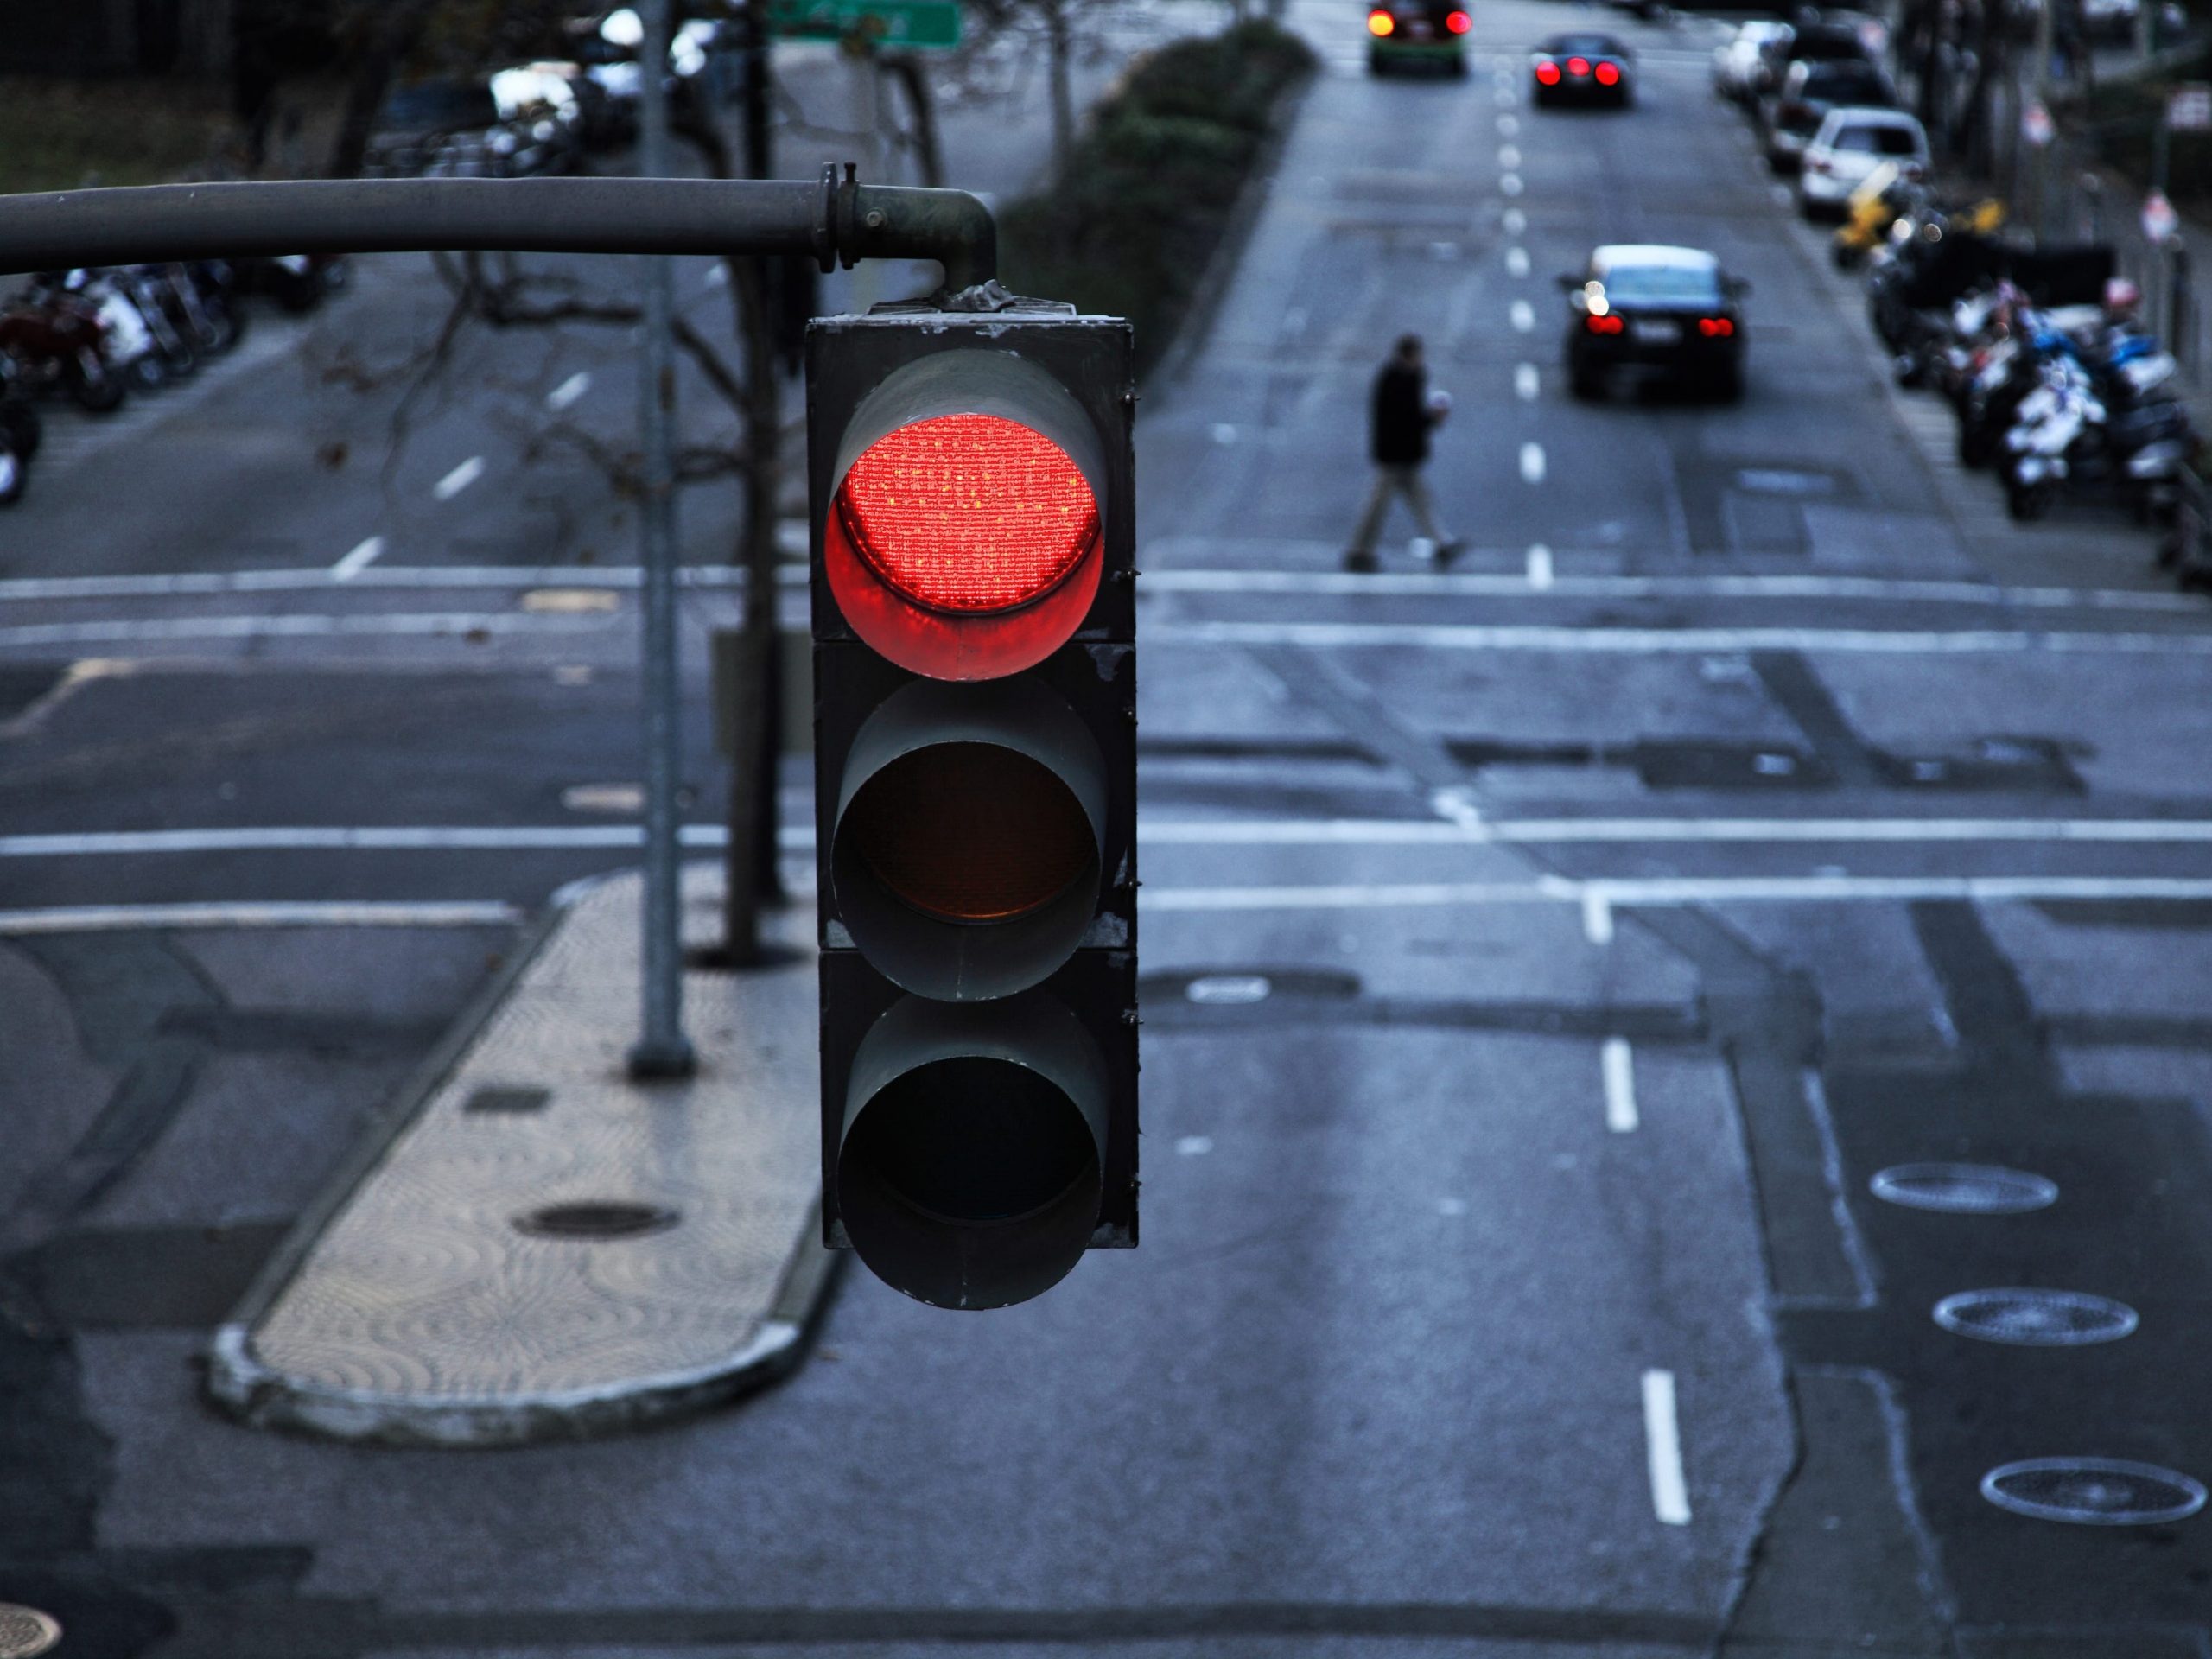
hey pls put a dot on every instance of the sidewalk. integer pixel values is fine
(534, 1247)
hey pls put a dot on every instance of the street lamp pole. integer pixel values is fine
(662, 1050)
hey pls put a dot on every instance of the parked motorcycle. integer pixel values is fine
(58, 339)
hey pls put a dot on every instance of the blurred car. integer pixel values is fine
(1816, 37)
(1580, 69)
(1665, 312)
(2111, 20)
(1738, 61)
(1417, 34)
(1850, 144)
(435, 126)
(1810, 91)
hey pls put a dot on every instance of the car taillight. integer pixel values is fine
(1608, 75)
(1606, 324)
(1578, 67)
(1715, 327)
(1458, 22)
(969, 513)
(1547, 73)
(1379, 23)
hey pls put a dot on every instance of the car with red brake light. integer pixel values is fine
(1580, 69)
(1416, 35)
(1660, 311)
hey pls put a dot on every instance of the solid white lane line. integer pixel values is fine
(1663, 1440)
(459, 479)
(96, 918)
(1672, 891)
(140, 630)
(1524, 315)
(358, 560)
(1517, 262)
(1617, 1065)
(189, 584)
(1532, 463)
(1540, 567)
(1509, 184)
(571, 389)
(1881, 588)
(1526, 382)
(1466, 828)
(1614, 641)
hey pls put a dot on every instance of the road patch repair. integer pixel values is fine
(535, 1246)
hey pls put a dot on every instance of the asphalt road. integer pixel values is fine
(1542, 960)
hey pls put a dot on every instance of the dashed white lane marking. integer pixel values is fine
(1464, 827)
(1524, 316)
(1508, 125)
(1526, 384)
(459, 479)
(571, 389)
(1598, 899)
(1663, 1440)
(99, 919)
(1509, 156)
(1897, 642)
(1540, 567)
(1516, 261)
(1509, 184)
(358, 560)
(1616, 1064)
(1532, 463)
(1514, 221)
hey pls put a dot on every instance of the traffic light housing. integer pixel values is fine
(970, 480)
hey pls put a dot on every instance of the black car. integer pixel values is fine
(1667, 311)
(1809, 92)
(1580, 69)
(1417, 35)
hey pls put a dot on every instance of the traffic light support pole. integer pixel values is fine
(836, 220)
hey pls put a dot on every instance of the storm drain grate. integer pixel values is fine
(596, 1219)
(25, 1631)
(2036, 1318)
(1964, 1189)
(2094, 1492)
(493, 1099)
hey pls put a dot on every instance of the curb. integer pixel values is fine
(240, 1385)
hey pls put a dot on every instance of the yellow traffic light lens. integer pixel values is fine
(970, 832)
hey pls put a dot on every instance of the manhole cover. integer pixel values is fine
(1964, 1189)
(25, 1631)
(596, 1218)
(495, 1099)
(2094, 1492)
(1229, 987)
(2036, 1318)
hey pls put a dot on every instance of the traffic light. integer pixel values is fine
(973, 513)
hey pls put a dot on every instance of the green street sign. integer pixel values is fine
(904, 24)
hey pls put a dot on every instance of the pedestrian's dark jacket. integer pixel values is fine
(1400, 426)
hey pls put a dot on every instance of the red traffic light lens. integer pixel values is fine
(1458, 22)
(969, 513)
(971, 832)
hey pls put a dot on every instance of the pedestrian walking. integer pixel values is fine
(1400, 417)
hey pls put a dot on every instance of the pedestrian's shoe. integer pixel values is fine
(1358, 561)
(1447, 551)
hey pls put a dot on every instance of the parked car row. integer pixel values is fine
(96, 335)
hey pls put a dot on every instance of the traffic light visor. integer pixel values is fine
(964, 538)
(965, 857)
(968, 1173)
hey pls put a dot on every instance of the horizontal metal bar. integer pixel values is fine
(63, 229)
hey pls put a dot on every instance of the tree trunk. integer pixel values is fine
(385, 40)
(1056, 34)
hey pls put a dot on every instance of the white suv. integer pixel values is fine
(1852, 142)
